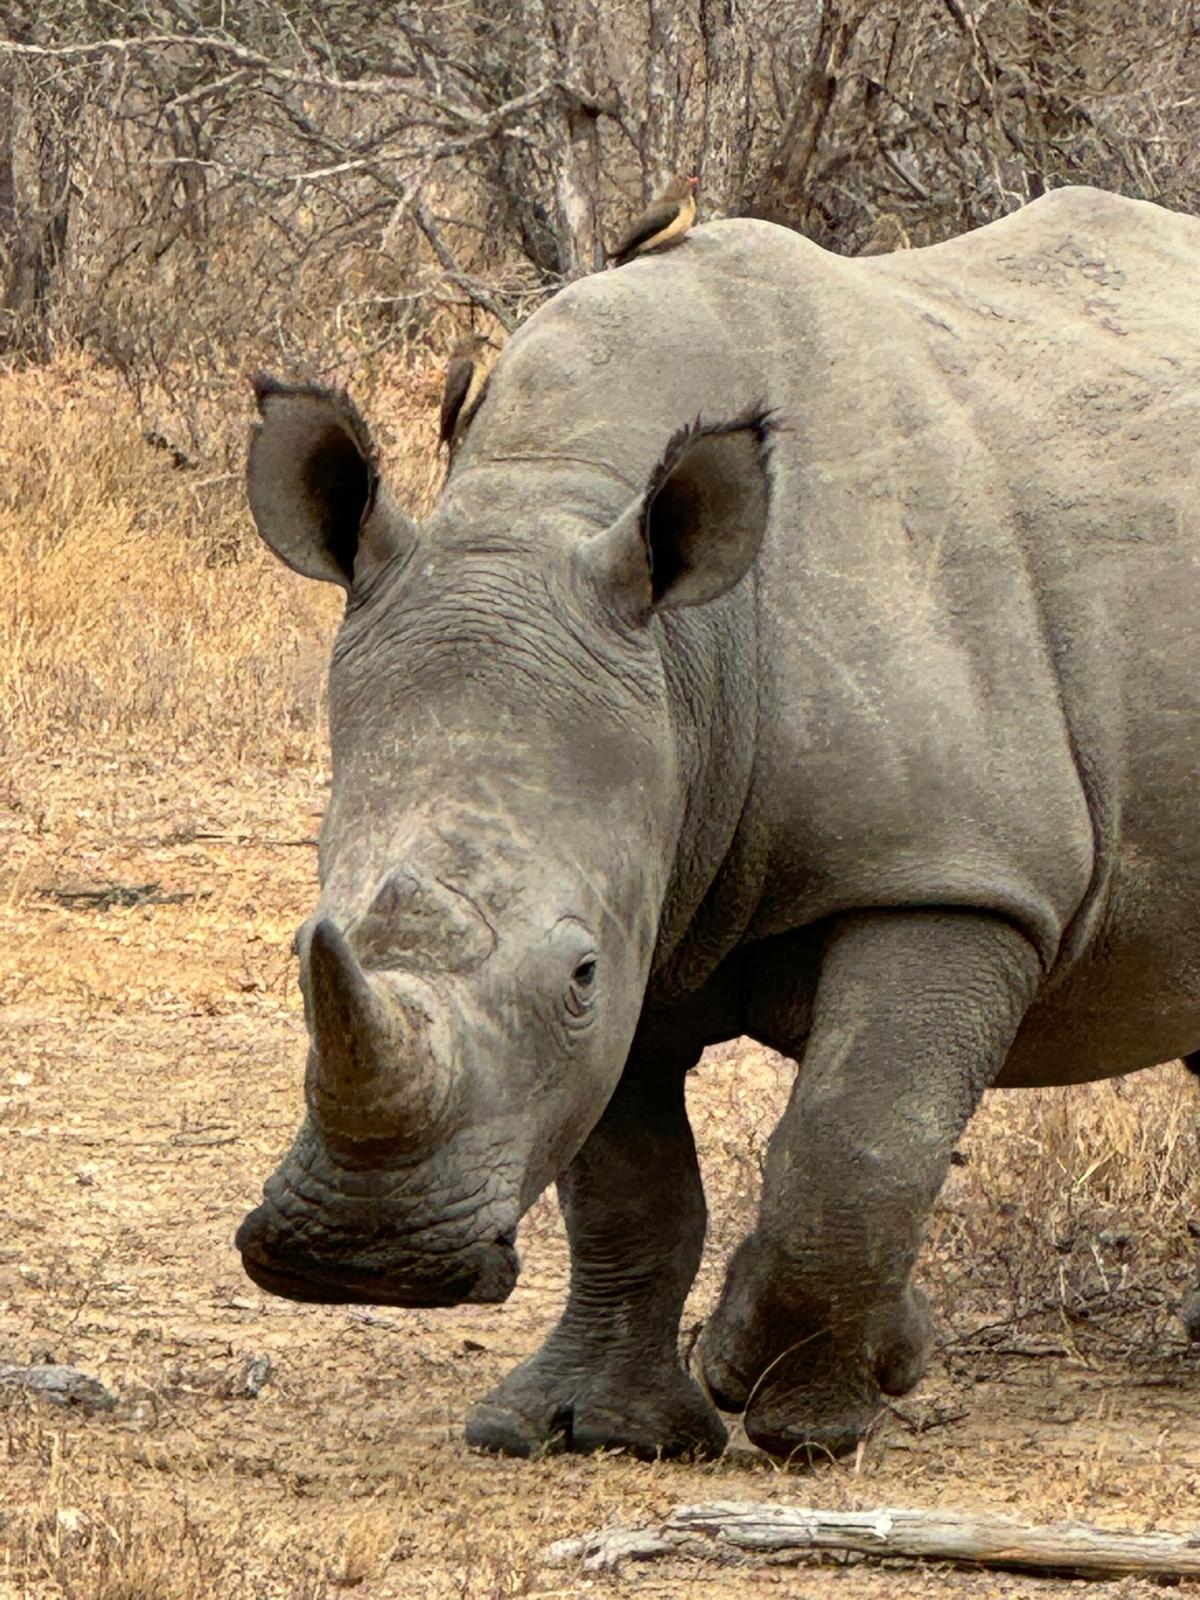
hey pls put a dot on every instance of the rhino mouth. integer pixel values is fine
(483, 1273)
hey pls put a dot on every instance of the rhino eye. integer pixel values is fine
(584, 975)
(583, 988)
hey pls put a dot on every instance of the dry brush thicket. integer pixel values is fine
(137, 609)
(190, 190)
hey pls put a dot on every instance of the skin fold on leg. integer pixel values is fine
(609, 1375)
(913, 1016)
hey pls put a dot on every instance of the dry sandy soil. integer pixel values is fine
(152, 869)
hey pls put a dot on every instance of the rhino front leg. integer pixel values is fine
(609, 1375)
(913, 1016)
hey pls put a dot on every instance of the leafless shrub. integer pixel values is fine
(330, 189)
(952, 113)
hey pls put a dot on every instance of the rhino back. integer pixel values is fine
(982, 542)
(998, 535)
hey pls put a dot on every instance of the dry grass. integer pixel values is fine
(125, 1540)
(162, 723)
(138, 610)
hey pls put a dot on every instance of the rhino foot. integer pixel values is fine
(807, 1397)
(804, 1413)
(544, 1407)
(804, 1407)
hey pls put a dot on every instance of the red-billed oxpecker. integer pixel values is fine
(663, 223)
(466, 379)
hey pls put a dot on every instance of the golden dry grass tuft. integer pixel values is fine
(119, 1539)
(88, 1546)
(137, 608)
(161, 723)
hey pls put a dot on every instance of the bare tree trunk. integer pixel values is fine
(563, 49)
(576, 190)
(661, 145)
(8, 175)
(36, 157)
(790, 170)
(729, 63)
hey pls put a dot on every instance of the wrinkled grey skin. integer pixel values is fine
(875, 739)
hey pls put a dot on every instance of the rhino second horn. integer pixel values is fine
(374, 1074)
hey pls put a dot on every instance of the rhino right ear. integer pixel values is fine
(314, 485)
(697, 529)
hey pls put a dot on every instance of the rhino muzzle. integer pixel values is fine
(349, 1273)
(381, 1068)
(338, 1230)
(371, 1205)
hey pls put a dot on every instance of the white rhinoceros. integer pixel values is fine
(800, 649)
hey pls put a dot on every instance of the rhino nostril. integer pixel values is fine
(399, 892)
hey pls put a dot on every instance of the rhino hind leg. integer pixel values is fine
(913, 1017)
(609, 1375)
(1191, 1305)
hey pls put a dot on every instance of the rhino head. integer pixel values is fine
(506, 808)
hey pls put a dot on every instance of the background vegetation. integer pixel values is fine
(188, 188)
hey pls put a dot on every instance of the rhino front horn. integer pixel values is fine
(375, 1072)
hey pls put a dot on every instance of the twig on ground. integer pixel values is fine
(965, 1538)
(248, 838)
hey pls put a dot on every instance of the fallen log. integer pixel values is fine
(963, 1538)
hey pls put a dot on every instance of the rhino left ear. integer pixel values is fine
(698, 528)
(314, 485)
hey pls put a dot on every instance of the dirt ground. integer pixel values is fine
(150, 1065)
